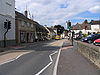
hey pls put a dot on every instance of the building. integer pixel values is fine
(95, 26)
(51, 33)
(41, 32)
(25, 28)
(7, 13)
(85, 27)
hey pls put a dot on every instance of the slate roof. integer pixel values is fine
(95, 22)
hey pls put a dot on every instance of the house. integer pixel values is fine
(7, 13)
(25, 28)
(85, 27)
(95, 26)
(41, 32)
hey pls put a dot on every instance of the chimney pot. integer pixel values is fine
(26, 13)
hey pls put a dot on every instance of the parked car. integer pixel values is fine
(97, 42)
(91, 38)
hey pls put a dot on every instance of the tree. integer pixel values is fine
(59, 28)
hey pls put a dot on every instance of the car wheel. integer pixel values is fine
(89, 41)
(94, 43)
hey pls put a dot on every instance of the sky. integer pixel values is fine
(54, 12)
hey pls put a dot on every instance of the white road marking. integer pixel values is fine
(56, 64)
(7, 61)
(13, 59)
(51, 61)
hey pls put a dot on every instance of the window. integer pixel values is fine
(22, 23)
(28, 24)
(25, 23)
(32, 25)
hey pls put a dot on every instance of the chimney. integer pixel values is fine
(91, 22)
(85, 22)
(26, 13)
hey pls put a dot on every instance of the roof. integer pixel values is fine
(81, 27)
(39, 27)
(50, 29)
(95, 22)
(20, 15)
(85, 25)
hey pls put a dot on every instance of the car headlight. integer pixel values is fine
(85, 39)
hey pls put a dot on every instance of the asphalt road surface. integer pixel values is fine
(34, 62)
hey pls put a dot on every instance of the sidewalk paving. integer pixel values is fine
(71, 62)
(11, 56)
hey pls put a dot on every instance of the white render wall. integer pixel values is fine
(83, 31)
(95, 28)
(7, 7)
(7, 11)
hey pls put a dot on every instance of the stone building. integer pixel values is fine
(41, 32)
(25, 29)
(7, 13)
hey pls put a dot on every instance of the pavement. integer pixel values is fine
(5, 58)
(71, 62)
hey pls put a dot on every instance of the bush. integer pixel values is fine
(85, 35)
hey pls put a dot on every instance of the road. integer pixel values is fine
(32, 63)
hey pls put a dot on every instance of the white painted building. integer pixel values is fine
(7, 12)
(95, 28)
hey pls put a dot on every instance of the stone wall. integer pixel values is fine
(89, 51)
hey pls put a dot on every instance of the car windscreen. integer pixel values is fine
(90, 36)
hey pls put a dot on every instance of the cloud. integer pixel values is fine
(95, 9)
(49, 12)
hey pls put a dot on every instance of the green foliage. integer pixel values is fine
(60, 29)
(85, 35)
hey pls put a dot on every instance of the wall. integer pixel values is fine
(83, 31)
(7, 7)
(95, 28)
(7, 11)
(91, 52)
